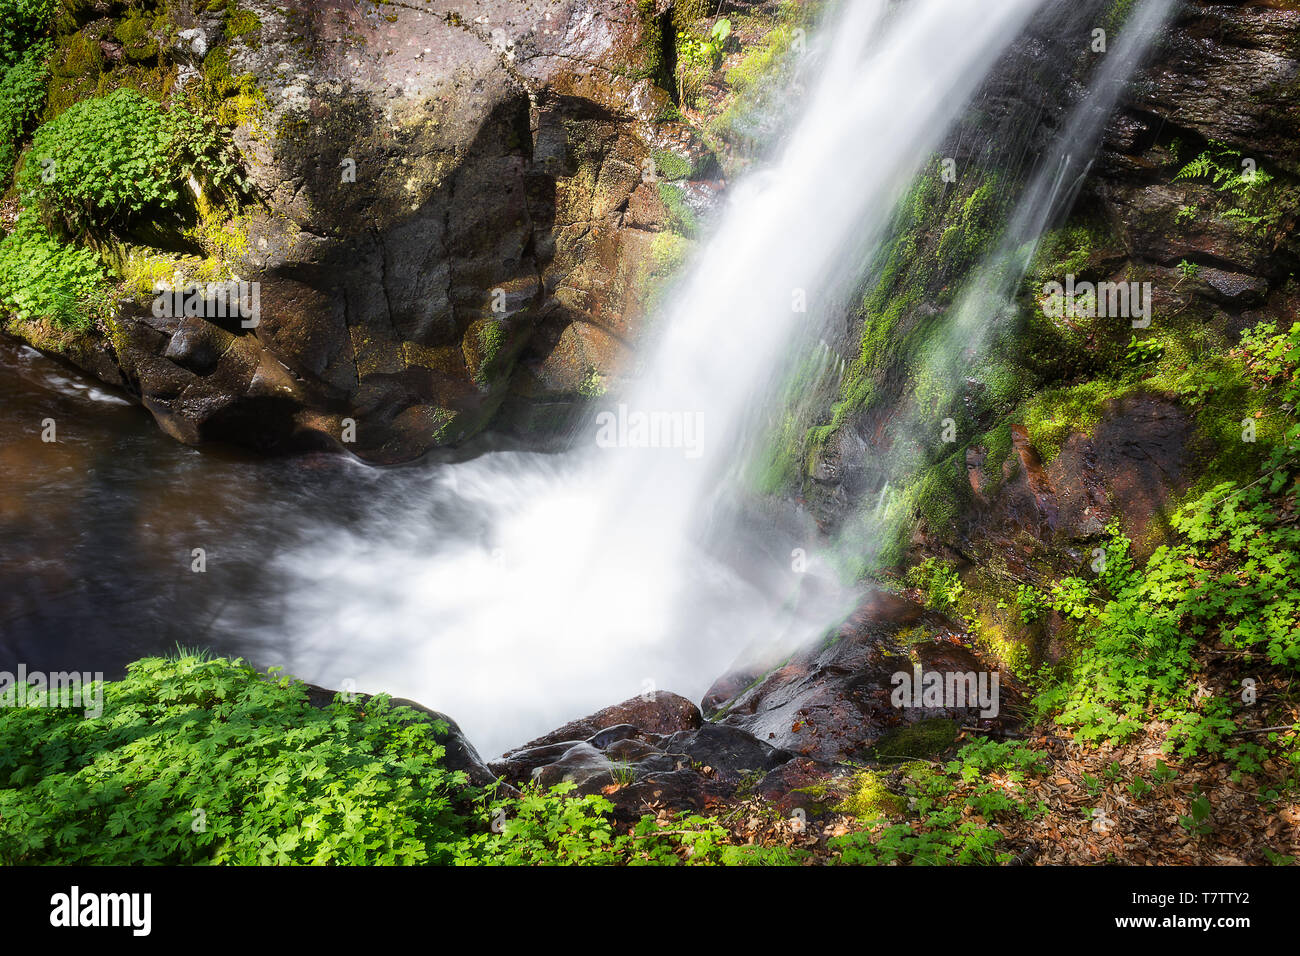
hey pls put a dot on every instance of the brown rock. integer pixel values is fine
(658, 713)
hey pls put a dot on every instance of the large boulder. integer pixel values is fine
(446, 220)
(647, 754)
(834, 700)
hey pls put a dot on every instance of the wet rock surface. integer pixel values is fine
(445, 224)
(659, 712)
(646, 753)
(782, 737)
(1129, 465)
(832, 701)
(1226, 73)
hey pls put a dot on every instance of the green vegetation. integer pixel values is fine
(759, 81)
(242, 23)
(44, 277)
(698, 55)
(22, 95)
(593, 384)
(953, 807)
(207, 761)
(1236, 177)
(967, 235)
(1054, 377)
(485, 357)
(938, 234)
(1117, 14)
(870, 798)
(108, 159)
(681, 217)
(78, 66)
(548, 828)
(939, 583)
(1053, 415)
(651, 48)
(232, 100)
(135, 33)
(198, 760)
(762, 61)
(103, 160)
(1233, 576)
(777, 466)
(670, 165)
(22, 23)
(925, 738)
(891, 336)
(1031, 604)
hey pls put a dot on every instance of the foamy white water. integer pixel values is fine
(516, 591)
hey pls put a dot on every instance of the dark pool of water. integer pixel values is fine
(98, 528)
(486, 585)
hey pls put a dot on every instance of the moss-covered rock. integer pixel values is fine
(925, 738)
(868, 798)
(432, 240)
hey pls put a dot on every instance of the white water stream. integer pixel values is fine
(516, 591)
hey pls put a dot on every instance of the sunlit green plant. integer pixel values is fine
(43, 276)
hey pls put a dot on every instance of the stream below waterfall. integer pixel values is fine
(411, 580)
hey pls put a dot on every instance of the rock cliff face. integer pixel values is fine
(1225, 75)
(456, 204)
(1218, 99)
(1080, 427)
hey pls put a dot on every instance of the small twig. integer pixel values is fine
(994, 730)
(1262, 730)
(1266, 474)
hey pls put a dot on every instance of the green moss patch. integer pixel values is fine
(925, 738)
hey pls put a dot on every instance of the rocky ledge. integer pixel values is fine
(786, 738)
(451, 219)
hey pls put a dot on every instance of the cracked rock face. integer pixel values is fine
(446, 188)
(1225, 73)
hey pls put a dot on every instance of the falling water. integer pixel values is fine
(989, 295)
(1061, 175)
(517, 590)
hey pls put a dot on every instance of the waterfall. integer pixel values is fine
(519, 590)
(988, 296)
